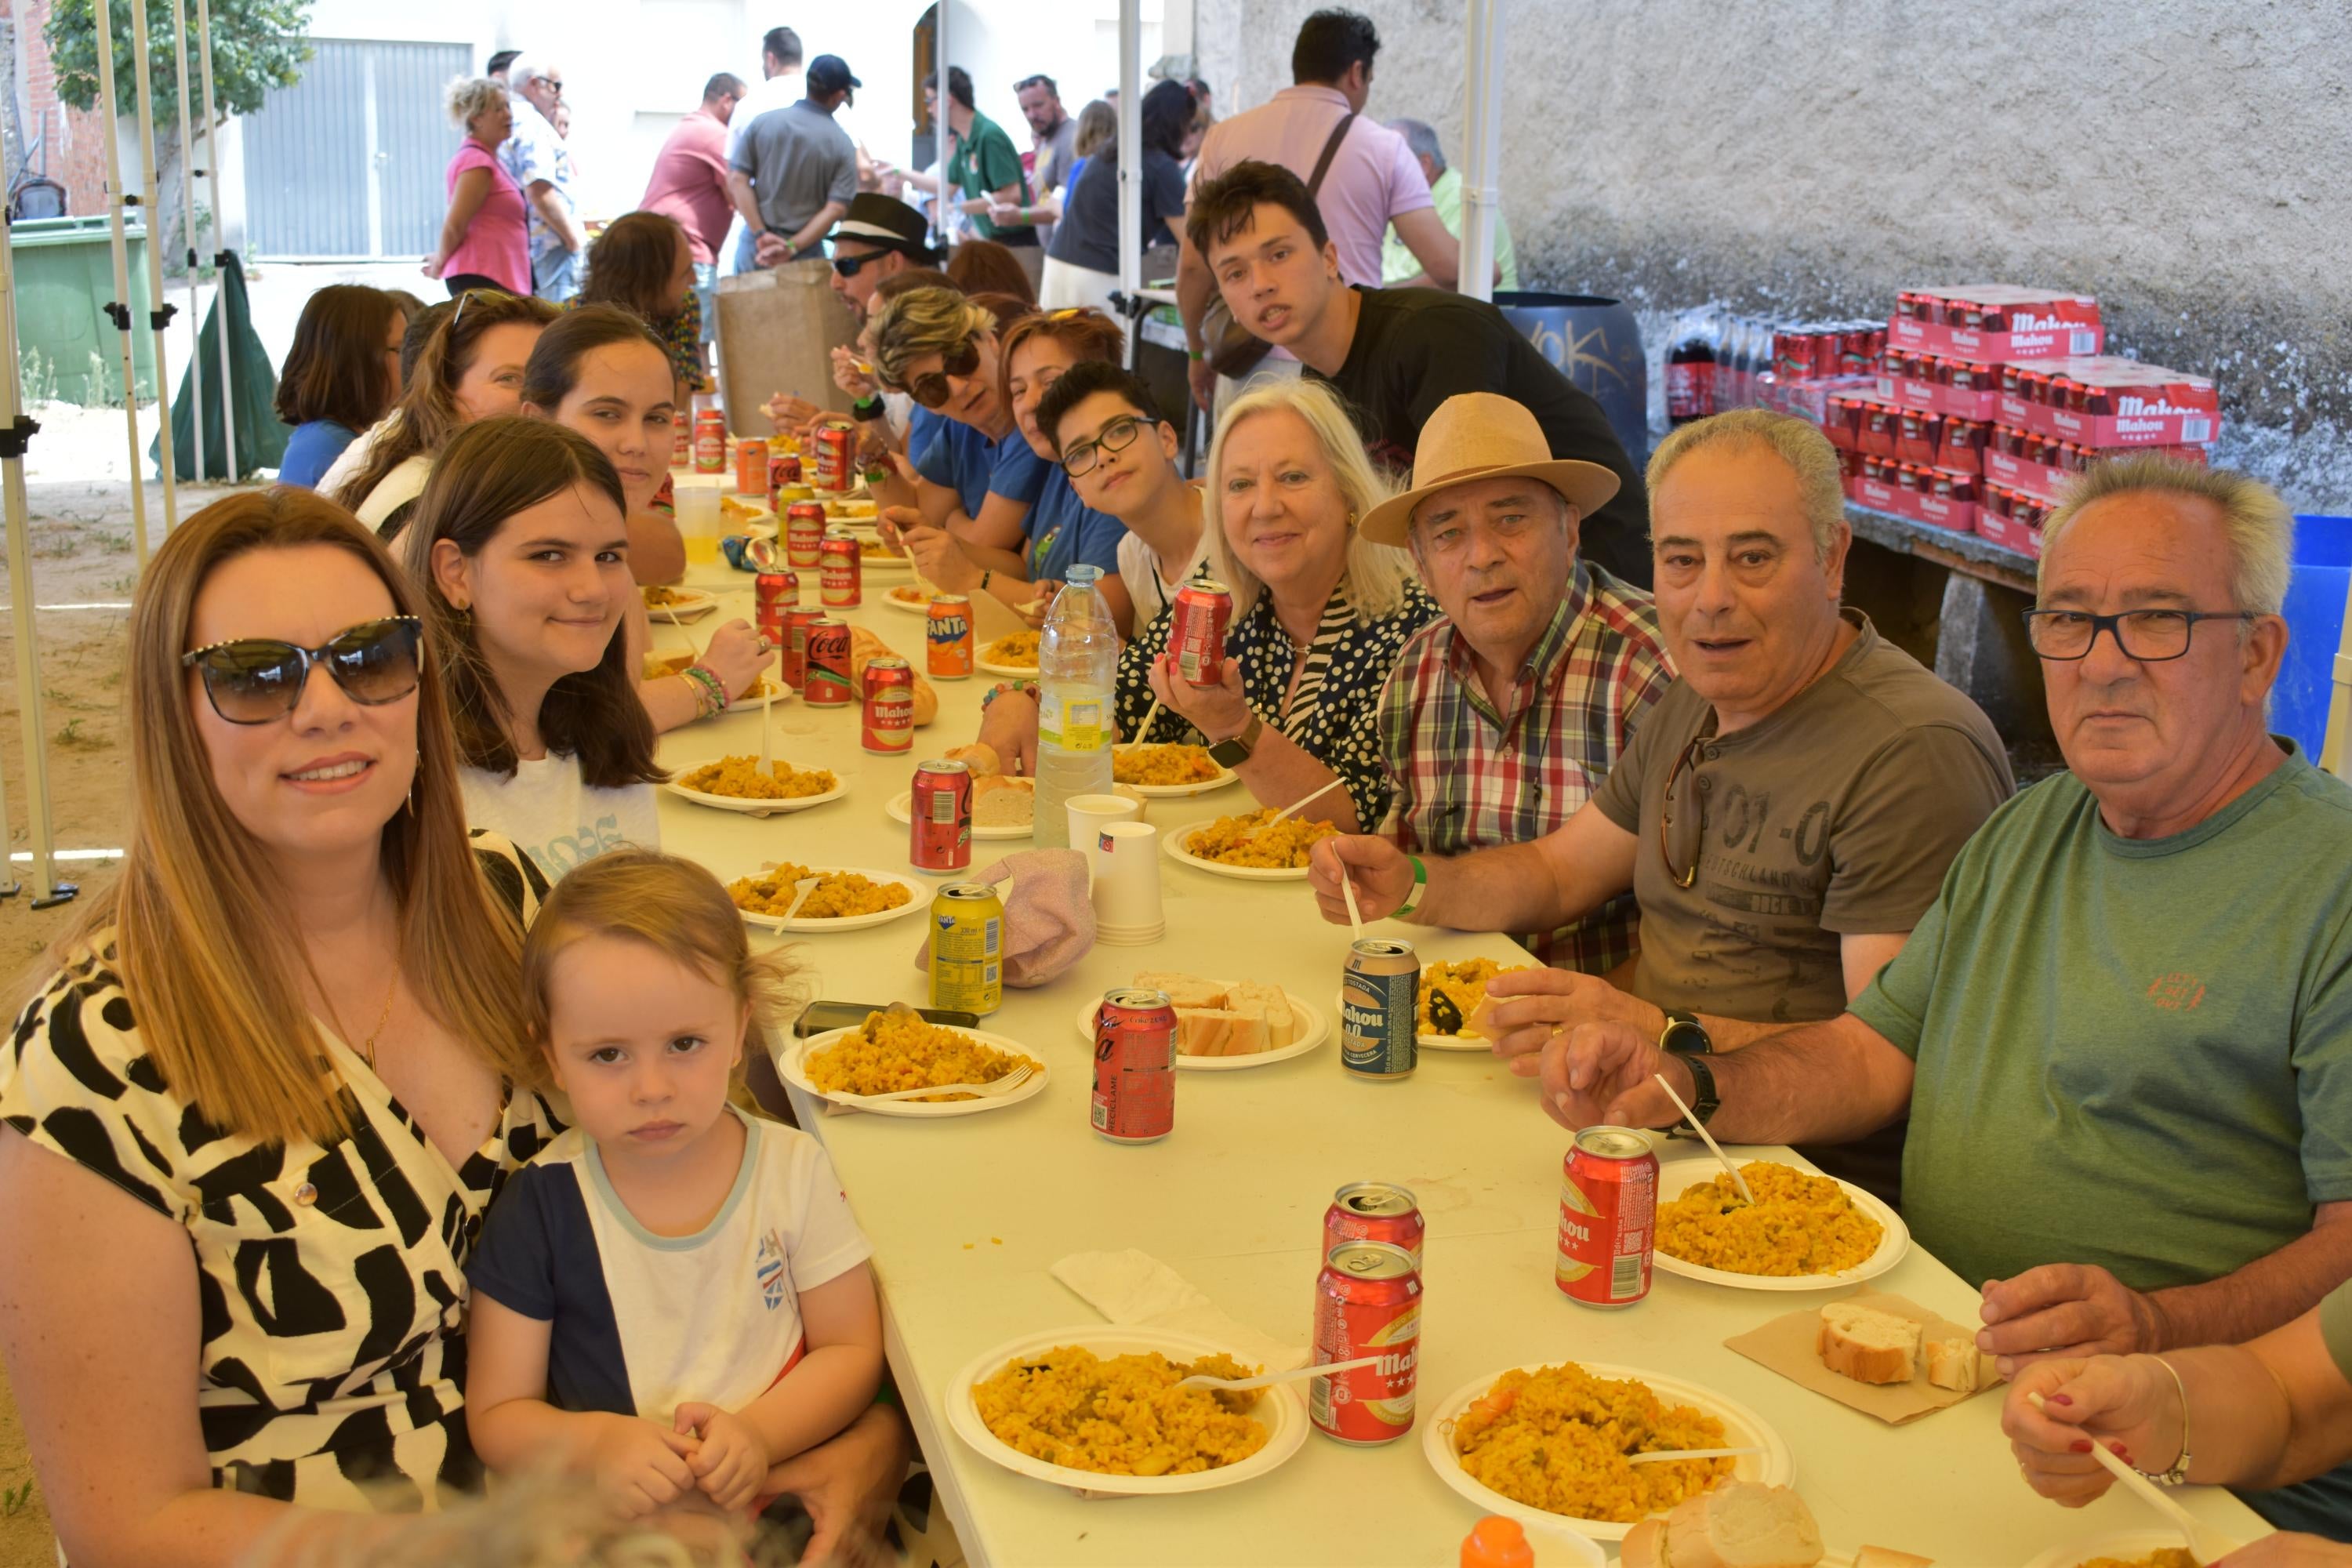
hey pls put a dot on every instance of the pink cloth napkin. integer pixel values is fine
(1049, 916)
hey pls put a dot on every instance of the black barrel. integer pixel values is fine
(1597, 344)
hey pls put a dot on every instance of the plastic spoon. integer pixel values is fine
(1355, 916)
(1297, 1375)
(1661, 1457)
(2205, 1543)
(1737, 1179)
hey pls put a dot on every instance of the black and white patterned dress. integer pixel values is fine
(332, 1279)
(1331, 715)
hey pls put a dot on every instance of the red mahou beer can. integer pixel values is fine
(947, 638)
(840, 587)
(681, 442)
(791, 662)
(711, 442)
(1608, 1217)
(938, 815)
(1367, 1302)
(1135, 1067)
(804, 534)
(1197, 635)
(774, 593)
(888, 726)
(836, 446)
(752, 467)
(829, 683)
(1374, 1211)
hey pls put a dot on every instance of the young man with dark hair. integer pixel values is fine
(1333, 44)
(1396, 353)
(780, 84)
(1121, 456)
(982, 166)
(496, 67)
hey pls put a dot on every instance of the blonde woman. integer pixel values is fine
(1319, 612)
(484, 240)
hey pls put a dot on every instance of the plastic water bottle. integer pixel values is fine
(1078, 662)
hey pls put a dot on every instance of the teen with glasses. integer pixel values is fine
(1120, 458)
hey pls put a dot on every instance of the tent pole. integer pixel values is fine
(230, 466)
(159, 312)
(119, 308)
(1131, 155)
(1482, 140)
(188, 221)
(15, 431)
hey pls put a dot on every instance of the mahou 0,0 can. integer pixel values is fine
(774, 593)
(1374, 1211)
(1379, 1030)
(888, 727)
(752, 467)
(804, 534)
(1608, 1217)
(947, 638)
(1367, 1302)
(836, 446)
(968, 948)
(711, 442)
(1197, 635)
(1135, 1067)
(842, 571)
(828, 682)
(938, 817)
(791, 661)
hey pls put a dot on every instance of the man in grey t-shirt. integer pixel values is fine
(794, 171)
(1053, 140)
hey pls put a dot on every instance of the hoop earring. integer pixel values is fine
(412, 791)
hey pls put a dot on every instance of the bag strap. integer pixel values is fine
(1330, 150)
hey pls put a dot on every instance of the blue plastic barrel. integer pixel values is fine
(1597, 344)
(2315, 621)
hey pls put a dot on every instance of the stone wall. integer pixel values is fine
(2190, 166)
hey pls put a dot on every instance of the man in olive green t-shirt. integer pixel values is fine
(2124, 1034)
(983, 163)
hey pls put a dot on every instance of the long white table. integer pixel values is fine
(968, 1215)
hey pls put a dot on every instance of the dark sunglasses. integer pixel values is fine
(254, 680)
(847, 265)
(1681, 829)
(932, 389)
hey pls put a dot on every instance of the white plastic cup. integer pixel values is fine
(1089, 814)
(1127, 876)
(698, 521)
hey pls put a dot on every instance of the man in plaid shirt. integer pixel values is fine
(1501, 719)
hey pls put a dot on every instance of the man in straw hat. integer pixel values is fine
(1500, 720)
(1784, 816)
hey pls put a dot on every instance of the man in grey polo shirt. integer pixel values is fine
(794, 171)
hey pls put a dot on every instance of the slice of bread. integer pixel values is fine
(1183, 990)
(1887, 1557)
(1266, 1002)
(1741, 1525)
(1868, 1346)
(1955, 1362)
(1217, 1032)
(1000, 802)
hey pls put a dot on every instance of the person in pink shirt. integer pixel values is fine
(689, 184)
(484, 243)
(1374, 180)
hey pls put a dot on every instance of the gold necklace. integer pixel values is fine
(367, 1051)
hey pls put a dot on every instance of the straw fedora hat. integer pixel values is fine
(1478, 435)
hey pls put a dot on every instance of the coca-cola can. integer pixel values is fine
(836, 446)
(804, 534)
(752, 467)
(711, 442)
(792, 654)
(889, 727)
(1858, 350)
(1829, 349)
(1196, 634)
(829, 683)
(783, 468)
(1135, 1067)
(1608, 1217)
(947, 638)
(773, 593)
(1374, 1211)
(938, 817)
(1366, 1303)
(843, 570)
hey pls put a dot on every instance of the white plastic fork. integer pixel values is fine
(1663, 1454)
(2206, 1543)
(1001, 1086)
(1295, 1375)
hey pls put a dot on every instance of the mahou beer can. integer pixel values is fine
(1197, 634)
(775, 593)
(1608, 1217)
(841, 569)
(711, 442)
(791, 662)
(938, 817)
(1135, 1067)
(752, 467)
(836, 446)
(1374, 1211)
(1367, 1302)
(804, 534)
(681, 444)
(828, 682)
(1379, 994)
(968, 948)
(888, 727)
(946, 638)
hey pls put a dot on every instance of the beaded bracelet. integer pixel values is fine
(993, 693)
(709, 691)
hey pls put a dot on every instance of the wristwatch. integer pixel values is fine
(1687, 1038)
(868, 408)
(1686, 1035)
(1232, 753)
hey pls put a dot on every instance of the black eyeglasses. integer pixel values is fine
(932, 389)
(1688, 835)
(1115, 437)
(254, 680)
(2149, 637)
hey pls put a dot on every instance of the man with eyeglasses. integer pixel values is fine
(689, 184)
(540, 163)
(1783, 816)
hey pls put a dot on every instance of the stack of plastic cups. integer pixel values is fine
(1126, 858)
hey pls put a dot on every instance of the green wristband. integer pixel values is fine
(1420, 886)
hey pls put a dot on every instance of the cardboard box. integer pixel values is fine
(777, 330)
(2123, 404)
(2049, 480)
(1937, 511)
(2017, 536)
(1982, 403)
(2032, 323)
(1811, 399)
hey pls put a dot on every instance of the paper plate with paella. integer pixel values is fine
(1449, 994)
(740, 784)
(1013, 654)
(1161, 771)
(846, 897)
(897, 1049)
(678, 604)
(1036, 1407)
(1803, 1232)
(2131, 1549)
(1547, 1445)
(1246, 847)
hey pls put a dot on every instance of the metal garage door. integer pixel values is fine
(348, 162)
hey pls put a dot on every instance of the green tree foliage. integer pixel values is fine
(257, 45)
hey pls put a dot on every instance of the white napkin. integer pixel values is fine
(1134, 1288)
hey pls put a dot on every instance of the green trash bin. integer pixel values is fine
(65, 276)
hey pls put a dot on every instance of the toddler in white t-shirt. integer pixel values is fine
(673, 1295)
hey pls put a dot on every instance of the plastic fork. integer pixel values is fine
(1663, 1454)
(2206, 1543)
(1001, 1086)
(1295, 1375)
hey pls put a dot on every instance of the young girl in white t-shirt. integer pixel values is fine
(673, 1295)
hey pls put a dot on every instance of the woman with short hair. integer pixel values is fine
(340, 377)
(484, 239)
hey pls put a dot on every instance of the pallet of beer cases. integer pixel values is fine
(1995, 323)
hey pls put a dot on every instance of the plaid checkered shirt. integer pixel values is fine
(1467, 777)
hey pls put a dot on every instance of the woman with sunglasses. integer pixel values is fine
(484, 239)
(254, 1114)
(522, 547)
(471, 368)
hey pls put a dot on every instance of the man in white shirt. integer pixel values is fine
(540, 163)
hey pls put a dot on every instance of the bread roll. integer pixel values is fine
(1218, 1032)
(1645, 1546)
(979, 757)
(1955, 1363)
(1740, 1524)
(865, 645)
(1269, 1003)
(1867, 1345)
(999, 801)
(1887, 1557)
(1183, 990)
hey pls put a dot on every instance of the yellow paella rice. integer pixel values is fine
(838, 895)
(1123, 1416)
(1019, 649)
(1237, 841)
(1798, 1224)
(1450, 993)
(897, 1049)
(1169, 764)
(1556, 1440)
(658, 596)
(740, 778)
(908, 594)
(871, 548)
(2162, 1557)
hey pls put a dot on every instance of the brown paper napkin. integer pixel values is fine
(1790, 1346)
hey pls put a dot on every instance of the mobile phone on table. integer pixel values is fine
(819, 1017)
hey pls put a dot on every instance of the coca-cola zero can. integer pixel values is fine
(938, 817)
(829, 684)
(1135, 1067)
